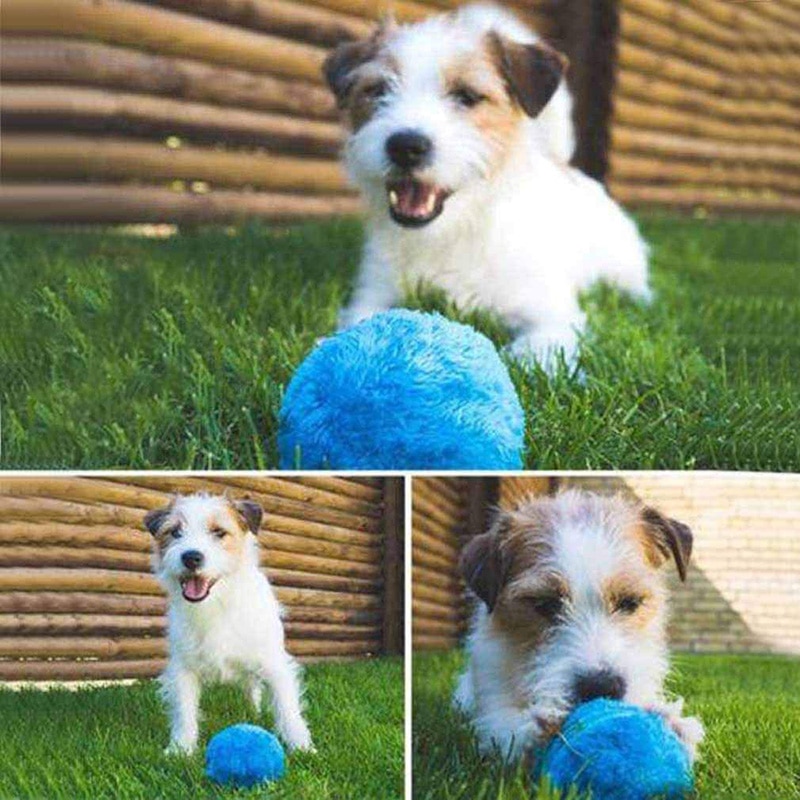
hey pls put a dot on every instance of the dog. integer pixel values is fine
(223, 619)
(572, 607)
(459, 137)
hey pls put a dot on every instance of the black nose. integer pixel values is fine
(192, 559)
(408, 149)
(599, 683)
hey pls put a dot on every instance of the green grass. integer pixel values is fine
(749, 704)
(106, 743)
(133, 353)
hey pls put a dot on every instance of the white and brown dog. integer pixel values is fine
(224, 621)
(459, 138)
(573, 607)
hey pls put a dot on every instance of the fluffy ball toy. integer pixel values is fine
(618, 752)
(244, 755)
(402, 390)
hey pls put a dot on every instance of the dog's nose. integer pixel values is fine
(192, 559)
(409, 149)
(599, 683)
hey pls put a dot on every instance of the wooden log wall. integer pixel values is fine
(707, 105)
(178, 110)
(78, 601)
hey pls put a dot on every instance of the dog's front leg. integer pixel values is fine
(282, 675)
(688, 729)
(181, 691)
(376, 290)
(548, 340)
(513, 732)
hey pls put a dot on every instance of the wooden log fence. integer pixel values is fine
(78, 599)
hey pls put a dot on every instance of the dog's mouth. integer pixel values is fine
(196, 588)
(413, 203)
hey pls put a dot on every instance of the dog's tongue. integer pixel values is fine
(195, 588)
(413, 198)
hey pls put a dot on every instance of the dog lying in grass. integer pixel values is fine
(459, 136)
(573, 606)
(224, 621)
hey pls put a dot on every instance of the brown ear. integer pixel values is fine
(251, 512)
(532, 72)
(483, 566)
(153, 520)
(668, 537)
(340, 64)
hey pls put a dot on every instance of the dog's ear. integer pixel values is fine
(153, 520)
(532, 72)
(482, 563)
(251, 512)
(340, 64)
(667, 537)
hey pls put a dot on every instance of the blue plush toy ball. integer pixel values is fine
(618, 752)
(244, 755)
(402, 390)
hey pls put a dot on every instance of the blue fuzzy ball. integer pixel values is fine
(244, 755)
(619, 752)
(402, 390)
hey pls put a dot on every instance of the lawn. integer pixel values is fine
(126, 352)
(749, 704)
(106, 743)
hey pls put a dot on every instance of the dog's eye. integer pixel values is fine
(376, 91)
(628, 604)
(546, 605)
(219, 533)
(176, 533)
(466, 97)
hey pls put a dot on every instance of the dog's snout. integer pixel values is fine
(192, 559)
(409, 149)
(599, 683)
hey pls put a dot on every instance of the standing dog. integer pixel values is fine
(224, 621)
(574, 607)
(459, 138)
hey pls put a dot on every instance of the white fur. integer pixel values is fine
(521, 241)
(234, 635)
(511, 694)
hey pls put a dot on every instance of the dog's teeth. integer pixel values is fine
(429, 206)
(393, 198)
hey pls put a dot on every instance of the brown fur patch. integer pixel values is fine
(662, 537)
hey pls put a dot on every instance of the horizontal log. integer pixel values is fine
(422, 556)
(425, 626)
(428, 642)
(428, 506)
(66, 61)
(24, 579)
(309, 580)
(34, 107)
(81, 647)
(435, 577)
(319, 565)
(435, 594)
(341, 615)
(67, 624)
(427, 534)
(450, 489)
(112, 204)
(58, 533)
(402, 10)
(691, 197)
(346, 486)
(79, 602)
(331, 632)
(318, 547)
(738, 17)
(163, 31)
(65, 556)
(321, 647)
(64, 156)
(287, 18)
(82, 490)
(425, 608)
(669, 144)
(652, 88)
(79, 670)
(294, 489)
(654, 115)
(656, 171)
(322, 598)
(41, 508)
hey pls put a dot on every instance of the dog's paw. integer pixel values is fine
(178, 748)
(298, 737)
(688, 729)
(546, 351)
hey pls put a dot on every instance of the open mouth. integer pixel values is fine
(413, 203)
(195, 587)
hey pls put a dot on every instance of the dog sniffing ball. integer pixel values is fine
(618, 752)
(402, 390)
(244, 755)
